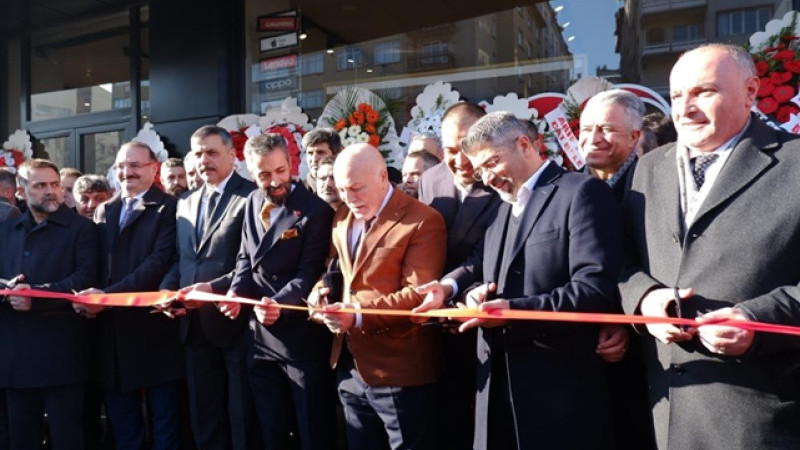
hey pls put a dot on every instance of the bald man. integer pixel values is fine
(387, 244)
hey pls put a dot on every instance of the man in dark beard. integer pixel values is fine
(285, 240)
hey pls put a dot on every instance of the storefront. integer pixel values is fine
(83, 76)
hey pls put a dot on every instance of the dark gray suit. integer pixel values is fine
(219, 393)
(541, 384)
(466, 225)
(8, 211)
(742, 250)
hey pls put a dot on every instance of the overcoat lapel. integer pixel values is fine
(388, 219)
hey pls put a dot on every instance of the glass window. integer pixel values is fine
(349, 57)
(686, 33)
(311, 64)
(655, 35)
(434, 52)
(312, 99)
(743, 21)
(387, 52)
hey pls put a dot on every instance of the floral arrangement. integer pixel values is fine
(294, 136)
(361, 116)
(426, 115)
(360, 126)
(777, 60)
(16, 149)
(239, 137)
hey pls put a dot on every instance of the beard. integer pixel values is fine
(281, 198)
(48, 205)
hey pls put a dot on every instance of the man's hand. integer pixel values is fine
(476, 299)
(612, 343)
(435, 295)
(186, 292)
(317, 299)
(655, 304)
(338, 322)
(17, 302)
(724, 339)
(267, 313)
(231, 310)
(89, 311)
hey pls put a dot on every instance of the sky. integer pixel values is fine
(592, 24)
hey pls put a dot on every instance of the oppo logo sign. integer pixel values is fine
(279, 84)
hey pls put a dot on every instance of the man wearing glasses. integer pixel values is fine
(138, 350)
(554, 246)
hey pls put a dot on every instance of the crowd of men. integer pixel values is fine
(706, 227)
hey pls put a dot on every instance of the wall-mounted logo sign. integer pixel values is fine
(282, 21)
(280, 41)
(278, 84)
(281, 62)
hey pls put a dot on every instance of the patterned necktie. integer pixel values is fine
(700, 164)
(127, 212)
(265, 212)
(360, 238)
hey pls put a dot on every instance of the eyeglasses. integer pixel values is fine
(131, 165)
(487, 167)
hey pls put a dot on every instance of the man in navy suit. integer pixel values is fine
(553, 246)
(285, 241)
(138, 351)
(468, 207)
(209, 232)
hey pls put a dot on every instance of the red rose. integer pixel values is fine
(18, 157)
(2, 161)
(784, 113)
(761, 68)
(768, 105)
(784, 55)
(779, 78)
(783, 93)
(765, 88)
(792, 66)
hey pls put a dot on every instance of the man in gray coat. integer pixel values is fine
(714, 232)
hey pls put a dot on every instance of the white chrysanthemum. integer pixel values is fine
(354, 130)
(362, 138)
(343, 134)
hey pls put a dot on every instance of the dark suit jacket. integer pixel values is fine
(566, 257)
(283, 263)
(8, 211)
(742, 250)
(138, 349)
(212, 258)
(466, 223)
(404, 248)
(48, 345)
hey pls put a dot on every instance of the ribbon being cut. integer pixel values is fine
(154, 299)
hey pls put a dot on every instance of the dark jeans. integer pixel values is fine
(125, 413)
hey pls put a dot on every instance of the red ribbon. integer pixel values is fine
(156, 298)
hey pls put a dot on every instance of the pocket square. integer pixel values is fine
(291, 233)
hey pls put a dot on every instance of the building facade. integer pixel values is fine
(82, 76)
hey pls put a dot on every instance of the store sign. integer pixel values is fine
(278, 84)
(280, 41)
(285, 21)
(279, 63)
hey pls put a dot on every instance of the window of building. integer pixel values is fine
(312, 99)
(435, 52)
(655, 35)
(743, 21)
(311, 64)
(519, 38)
(387, 52)
(349, 57)
(686, 33)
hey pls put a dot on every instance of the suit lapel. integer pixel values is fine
(193, 205)
(341, 239)
(745, 164)
(495, 242)
(221, 210)
(474, 205)
(666, 192)
(285, 219)
(113, 211)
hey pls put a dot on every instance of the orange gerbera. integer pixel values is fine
(373, 116)
(359, 117)
(364, 107)
(369, 128)
(340, 125)
(374, 140)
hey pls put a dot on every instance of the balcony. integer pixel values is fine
(658, 6)
(664, 48)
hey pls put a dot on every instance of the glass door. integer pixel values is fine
(98, 148)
